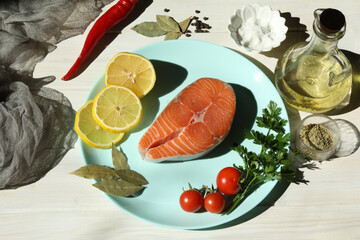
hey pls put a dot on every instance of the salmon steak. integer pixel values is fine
(192, 124)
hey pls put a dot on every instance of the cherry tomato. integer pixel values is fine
(214, 202)
(227, 181)
(191, 200)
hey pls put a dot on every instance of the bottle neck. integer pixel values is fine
(323, 41)
(321, 45)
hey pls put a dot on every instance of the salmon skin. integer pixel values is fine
(192, 124)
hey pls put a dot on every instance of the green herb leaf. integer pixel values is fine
(167, 23)
(273, 162)
(132, 176)
(118, 158)
(119, 188)
(185, 24)
(94, 171)
(149, 29)
(172, 35)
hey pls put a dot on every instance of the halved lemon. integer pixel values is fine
(117, 108)
(91, 132)
(132, 71)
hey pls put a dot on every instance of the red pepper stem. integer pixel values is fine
(109, 19)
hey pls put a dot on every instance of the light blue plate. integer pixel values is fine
(177, 64)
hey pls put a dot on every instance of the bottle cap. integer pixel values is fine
(332, 20)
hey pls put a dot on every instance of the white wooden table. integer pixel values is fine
(61, 206)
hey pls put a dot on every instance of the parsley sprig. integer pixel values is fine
(273, 162)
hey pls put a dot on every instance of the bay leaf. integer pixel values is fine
(119, 188)
(167, 23)
(132, 176)
(118, 158)
(149, 29)
(95, 171)
(185, 24)
(172, 35)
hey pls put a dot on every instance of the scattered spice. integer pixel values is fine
(164, 25)
(316, 136)
(200, 26)
(168, 26)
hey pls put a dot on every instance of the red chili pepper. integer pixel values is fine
(110, 18)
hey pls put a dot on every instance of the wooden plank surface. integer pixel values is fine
(62, 206)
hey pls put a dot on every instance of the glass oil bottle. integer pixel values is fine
(316, 76)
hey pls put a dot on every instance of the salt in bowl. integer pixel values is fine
(257, 28)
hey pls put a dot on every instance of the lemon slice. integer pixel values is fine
(90, 132)
(132, 71)
(117, 108)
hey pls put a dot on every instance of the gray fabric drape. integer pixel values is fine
(36, 122)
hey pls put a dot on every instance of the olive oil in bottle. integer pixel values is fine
(316, 76)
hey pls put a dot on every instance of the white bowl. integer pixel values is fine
(257, 28)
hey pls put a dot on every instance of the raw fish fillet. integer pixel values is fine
(192, 124)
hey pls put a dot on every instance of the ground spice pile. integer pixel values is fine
(316, 136)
